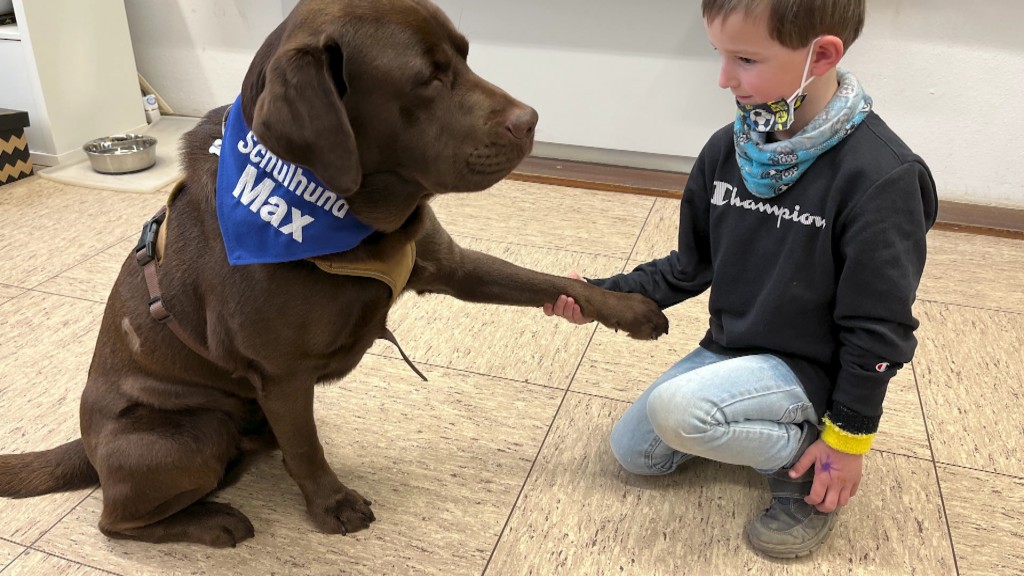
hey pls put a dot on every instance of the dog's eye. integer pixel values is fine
(438, 78)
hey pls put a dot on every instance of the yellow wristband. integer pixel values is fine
(844, 441)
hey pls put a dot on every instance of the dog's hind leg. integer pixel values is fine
(211, 523)
(156, 472)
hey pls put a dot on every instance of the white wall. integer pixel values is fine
(195, 52)
(69, 64)
(635, 83)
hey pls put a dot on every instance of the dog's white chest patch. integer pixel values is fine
(130, 336)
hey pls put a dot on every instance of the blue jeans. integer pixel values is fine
(743, 410)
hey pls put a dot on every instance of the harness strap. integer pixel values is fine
(390, 337)
(146, 257)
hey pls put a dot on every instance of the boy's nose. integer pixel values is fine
(726, 79)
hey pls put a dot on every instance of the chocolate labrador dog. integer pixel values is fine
(375, 98)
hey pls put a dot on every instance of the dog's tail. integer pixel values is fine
(65, 467)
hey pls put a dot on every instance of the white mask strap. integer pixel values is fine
(804, 80)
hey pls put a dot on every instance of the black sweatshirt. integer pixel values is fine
(823, 276)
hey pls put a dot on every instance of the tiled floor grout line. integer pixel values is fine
(28, 291)
(104, 570)
(66, 514)
(628, 255)
(979, 470)
(15, 559)
(613, 399)
(901, 454)
(465, 371)
(554, 418)
(18, 555)
(35, 291)
(935, 468)
(33, 547)
(632, 251)
(969, 307)
(79, 298)
(77, 264)
(536, 456)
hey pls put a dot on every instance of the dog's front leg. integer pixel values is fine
(333, 507)
(442, 266)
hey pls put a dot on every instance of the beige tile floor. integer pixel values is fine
(499, 464)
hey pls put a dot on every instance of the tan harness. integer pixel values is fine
(152, 245)
(394, 272)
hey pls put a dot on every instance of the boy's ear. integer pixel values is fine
(828, 51)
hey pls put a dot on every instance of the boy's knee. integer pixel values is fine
(631, 454)
(684, 425)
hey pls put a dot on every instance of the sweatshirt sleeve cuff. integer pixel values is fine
(843, 441)
(849, 431)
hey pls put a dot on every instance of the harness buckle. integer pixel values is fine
(147, 240)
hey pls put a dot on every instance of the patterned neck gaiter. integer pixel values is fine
(771, 168)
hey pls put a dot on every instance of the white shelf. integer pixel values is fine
(10, 32)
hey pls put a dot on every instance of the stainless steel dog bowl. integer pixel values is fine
(121, 153)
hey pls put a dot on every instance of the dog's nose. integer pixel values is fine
(521, 122)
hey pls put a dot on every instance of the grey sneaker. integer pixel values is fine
(790, 527)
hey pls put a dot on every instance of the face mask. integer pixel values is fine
(777, 115)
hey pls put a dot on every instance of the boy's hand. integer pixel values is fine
(836, 475)
(566, 307)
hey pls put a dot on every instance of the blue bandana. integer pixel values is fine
(771, 168)
(275, 211)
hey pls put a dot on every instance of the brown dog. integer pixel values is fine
(375, 98)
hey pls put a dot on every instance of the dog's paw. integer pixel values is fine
(345, 512)
(222, 526)
(639, 317)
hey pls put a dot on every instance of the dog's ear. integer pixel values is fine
(292, 98)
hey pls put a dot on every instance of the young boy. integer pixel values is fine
(807, 218)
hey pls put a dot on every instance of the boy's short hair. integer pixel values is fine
(795, 23)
